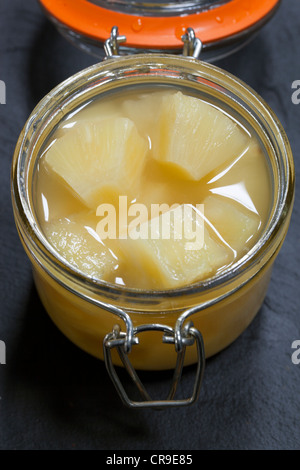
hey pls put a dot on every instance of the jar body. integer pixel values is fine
(226, 305)
(86, 325)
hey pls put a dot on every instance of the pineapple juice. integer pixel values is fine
(154, 141)
(235, 190)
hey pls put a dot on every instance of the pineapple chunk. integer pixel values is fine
(236, 224)
(96, 111)
(99, 154)
(76, 239)
(195, 136)
(143, 110)
(182, 254)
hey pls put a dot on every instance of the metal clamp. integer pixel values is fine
(187, 336)
(192, 46)
(111, 45)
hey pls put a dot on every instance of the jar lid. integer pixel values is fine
(159, 25)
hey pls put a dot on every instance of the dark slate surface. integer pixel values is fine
(54, 396)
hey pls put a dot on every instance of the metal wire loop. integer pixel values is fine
(111, 45)
(192, 45)
(117, 339)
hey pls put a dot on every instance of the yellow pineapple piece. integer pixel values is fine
(177, 249)
(96, 111)
(76, 240)
(94, 155)
(240, 181)
(142, 110)
(195, 136)
(236, 224)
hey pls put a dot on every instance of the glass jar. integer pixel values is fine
(224, 26)
(85, 310)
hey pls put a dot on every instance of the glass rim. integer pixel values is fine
(45, 251)
(158, 8)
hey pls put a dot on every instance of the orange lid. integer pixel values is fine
(160, 32)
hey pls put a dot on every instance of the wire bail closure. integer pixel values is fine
(181, 336)
(192, 46)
